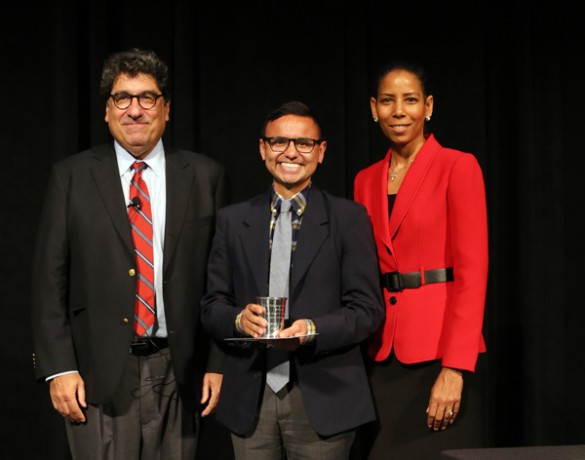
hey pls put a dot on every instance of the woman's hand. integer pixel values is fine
(445, 399)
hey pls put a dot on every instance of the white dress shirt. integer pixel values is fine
(156, 181)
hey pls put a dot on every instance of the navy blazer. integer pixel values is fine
(334, 281)
(83, 284)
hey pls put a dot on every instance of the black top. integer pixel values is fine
(391, 200)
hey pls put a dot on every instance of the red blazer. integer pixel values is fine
(439, 220)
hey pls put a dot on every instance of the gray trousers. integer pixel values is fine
(144, 421)
(283, 432)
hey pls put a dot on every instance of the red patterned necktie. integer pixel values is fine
(140, 216)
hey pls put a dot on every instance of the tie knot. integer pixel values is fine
(285, 206)
(138, 166)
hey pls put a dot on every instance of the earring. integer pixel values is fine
(375, 119)
(428, 118)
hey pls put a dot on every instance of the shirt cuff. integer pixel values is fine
(51, 377)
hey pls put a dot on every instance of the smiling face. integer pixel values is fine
(401, 107)
(290, 169)
(136, 129)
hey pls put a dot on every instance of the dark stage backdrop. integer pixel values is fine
(507, 88)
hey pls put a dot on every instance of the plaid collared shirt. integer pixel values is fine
(299, 203)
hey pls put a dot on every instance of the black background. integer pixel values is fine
(507, 88)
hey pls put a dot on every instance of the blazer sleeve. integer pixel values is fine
(216, 356)
(467, 219)
(53, 345)
(362, 309)
(218, 313)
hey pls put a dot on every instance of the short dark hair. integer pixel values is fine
(414, 68)
(291, 108)
(133, 62)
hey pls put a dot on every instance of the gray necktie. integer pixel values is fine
(277, 358)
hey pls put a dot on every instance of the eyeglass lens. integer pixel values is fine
(146, 100)
(302, 144)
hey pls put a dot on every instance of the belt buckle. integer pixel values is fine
(140, 348)
(394, 281)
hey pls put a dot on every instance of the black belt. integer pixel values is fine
(144, 346)
(396, 281)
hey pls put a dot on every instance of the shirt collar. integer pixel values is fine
(298, 201)
(155, 159)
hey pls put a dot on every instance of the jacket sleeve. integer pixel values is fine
(53, 343)
(467, 219)
(362, 309)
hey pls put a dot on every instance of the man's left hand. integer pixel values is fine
(210, 392)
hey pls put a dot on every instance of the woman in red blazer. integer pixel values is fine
(428, 209)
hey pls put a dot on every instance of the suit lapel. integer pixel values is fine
(379, 201)
(314, 231)
(107, 178)
(179, 179)
(412, 183)
(254, 240)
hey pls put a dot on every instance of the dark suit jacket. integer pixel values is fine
(82, 289)
(439, 220)
(334, 281)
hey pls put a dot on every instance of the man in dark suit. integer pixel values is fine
(334, 303)
(127, 388)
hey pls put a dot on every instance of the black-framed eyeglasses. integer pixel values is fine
(302, 144)
(146, 100)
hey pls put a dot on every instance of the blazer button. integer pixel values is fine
(132, 272)
(125, 320)
(393, 300)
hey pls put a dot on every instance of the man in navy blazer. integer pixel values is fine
(124, 395)
(334, 304)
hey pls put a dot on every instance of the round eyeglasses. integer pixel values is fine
(302, 144)
(146, 100)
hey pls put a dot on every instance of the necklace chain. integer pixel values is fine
(394, 173)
